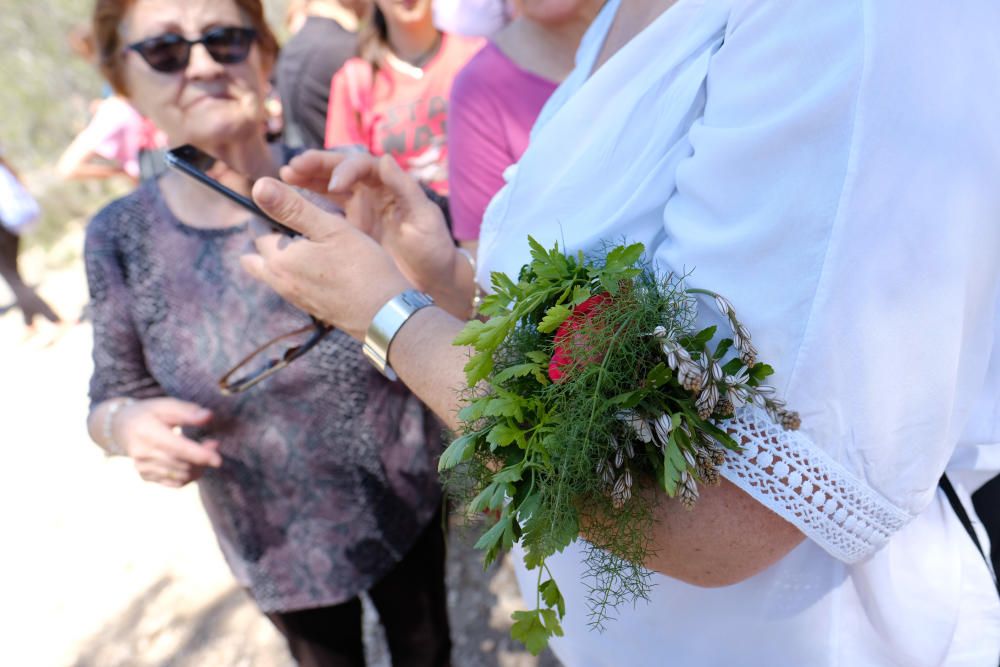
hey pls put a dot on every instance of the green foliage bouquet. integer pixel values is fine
(590, 390)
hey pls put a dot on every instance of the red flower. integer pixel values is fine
(570, 336)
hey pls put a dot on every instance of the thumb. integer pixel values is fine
(176, 412)
(291, 209)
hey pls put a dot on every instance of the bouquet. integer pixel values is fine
(590, 390)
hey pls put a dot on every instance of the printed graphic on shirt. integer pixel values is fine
(414, 133)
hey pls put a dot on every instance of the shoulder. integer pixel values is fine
(458, 49)
(478, 74)
(123, 217)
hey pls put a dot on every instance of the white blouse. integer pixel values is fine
(833, 168)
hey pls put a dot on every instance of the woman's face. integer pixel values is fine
(207, 103)
(403, 12)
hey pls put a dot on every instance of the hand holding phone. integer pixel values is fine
(220, 177)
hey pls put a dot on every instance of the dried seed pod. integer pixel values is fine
(790, 421)
(689, 457)
(709, 475)
(688, 493)
(608, 476)
(718, 455)
(662, 426)
(707, 400)
(638, 425)
(689, 375)
(724, 408)
(723, 305)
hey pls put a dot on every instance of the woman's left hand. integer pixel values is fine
(334, 271)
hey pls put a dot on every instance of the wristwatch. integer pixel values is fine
(387, 322)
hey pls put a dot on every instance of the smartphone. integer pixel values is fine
(220, 177)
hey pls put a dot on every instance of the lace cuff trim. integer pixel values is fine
(786, 473)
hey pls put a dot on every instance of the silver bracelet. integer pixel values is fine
(110, 445)
(477, 294)
(387, 322)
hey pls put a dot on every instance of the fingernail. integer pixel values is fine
(334, 183)
(266, 192)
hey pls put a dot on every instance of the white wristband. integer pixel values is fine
(386, 324)
(110, 446)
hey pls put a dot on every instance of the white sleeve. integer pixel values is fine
(859, 246)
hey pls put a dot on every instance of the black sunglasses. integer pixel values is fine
(170, 52)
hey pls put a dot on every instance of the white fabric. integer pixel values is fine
(832, 168)
(18, 209)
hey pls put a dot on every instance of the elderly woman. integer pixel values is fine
(320, 481)
(837, 182)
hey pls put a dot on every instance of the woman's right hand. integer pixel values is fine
(149, 431)
(383, 201)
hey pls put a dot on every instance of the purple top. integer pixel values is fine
(328, 473)
(494, 104)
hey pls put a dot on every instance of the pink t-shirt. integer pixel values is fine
(400, 114)
(494, 104)
(117, 132)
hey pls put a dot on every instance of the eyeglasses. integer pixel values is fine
(170, 52)
(272, 356)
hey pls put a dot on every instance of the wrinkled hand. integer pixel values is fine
(333, 271)
(148, 430)
(384, 202)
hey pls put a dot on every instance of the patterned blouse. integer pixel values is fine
(328, 472)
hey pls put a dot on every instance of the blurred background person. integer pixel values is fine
(393, 98)
(497, 97)
(117, 140)
(18, 211)
(324, 37)
(320, 483)
(473, 18)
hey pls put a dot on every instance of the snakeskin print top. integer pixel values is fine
(328, 472)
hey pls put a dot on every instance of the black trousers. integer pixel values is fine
(412, 605)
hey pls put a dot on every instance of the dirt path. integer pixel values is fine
(100, 569)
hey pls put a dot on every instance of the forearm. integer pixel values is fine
(430, 366)
(99, 424)
(726, 538)
(455, 294)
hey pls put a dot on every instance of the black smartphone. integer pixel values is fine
(217, 175)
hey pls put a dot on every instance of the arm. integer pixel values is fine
(82, 158)
(129, 415)
(345, 113)
(745, 536)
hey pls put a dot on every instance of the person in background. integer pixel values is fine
(497, 97)
(324, 41)
(320, 482)
(25, 298)
(393, 99)
(117, 137)
(473, 18)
